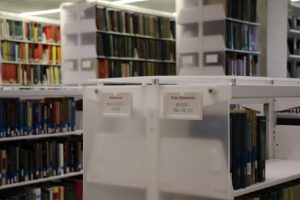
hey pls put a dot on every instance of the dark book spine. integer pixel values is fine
(238, 131)
(261, 151)
(248, 155)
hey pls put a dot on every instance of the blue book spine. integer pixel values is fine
(37, 118)
(21, 117)
(25, 117)
(52, 118)
(104, 18)
(73, 124)
(2, 121)
(30, 118)
(69, 114)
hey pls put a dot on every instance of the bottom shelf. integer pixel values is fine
(41, 180)
(277, 172)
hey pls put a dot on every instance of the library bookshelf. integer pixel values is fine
(215, 39)
(40, 135)
(283, 31)
(166, 148)
(109, 40)
(30, 51)
(293, 41)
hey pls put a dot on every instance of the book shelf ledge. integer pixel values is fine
(48, 135)
(135, 59)
(294, 57)
(26, 91)
(30, 41)
(29, 85)
(294, 5)
(243, 21)
(277, 172)
(29, 63)
(288, 115)
(243, 51)
(135, 35)
(294, 33)
(41, 180)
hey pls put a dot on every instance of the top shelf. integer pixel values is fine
(135, 35)
(30, 42)
(242, 21)
(294, 5)
(294, 33)
(120, 7)
(36, 91)
(242, 87)
(14, 16)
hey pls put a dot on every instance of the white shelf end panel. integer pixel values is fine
(194, 167)
(121, 159)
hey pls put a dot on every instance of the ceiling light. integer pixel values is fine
(41, 12)
(294, 0)
(127, 1)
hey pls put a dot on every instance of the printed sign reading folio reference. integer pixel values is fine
(117, 104)
(183, 105)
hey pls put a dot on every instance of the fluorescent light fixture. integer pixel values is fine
(41, 12)
(127, 1)
(294, 0)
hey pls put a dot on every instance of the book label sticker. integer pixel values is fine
(86, 64)
(183, 105)
(187, 60)
(212, 58)
(119, 104)
(69, 65)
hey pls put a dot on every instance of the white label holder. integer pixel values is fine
(116, 104)
(188, 105)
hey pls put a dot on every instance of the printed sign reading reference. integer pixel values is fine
(183, 106)
(117, 104)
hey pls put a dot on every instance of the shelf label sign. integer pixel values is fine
(187, 105)
(119, 104)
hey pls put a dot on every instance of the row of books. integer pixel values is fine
(248, 147)
(290, 111)
(115, 68)
(293, 69)
(68, 189)
(20, 117)
(31, 74)
(244, 10)
(294, 46)
(288, 191)
(20, 162)
(161, 50)
(134, 23)
(118, 46)
(33, 53)
(32, 31)
(241, 64)
(289, 117)
(242, 36)
(294, 22)
(124, 46)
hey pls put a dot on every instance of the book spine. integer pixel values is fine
(262, 148)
